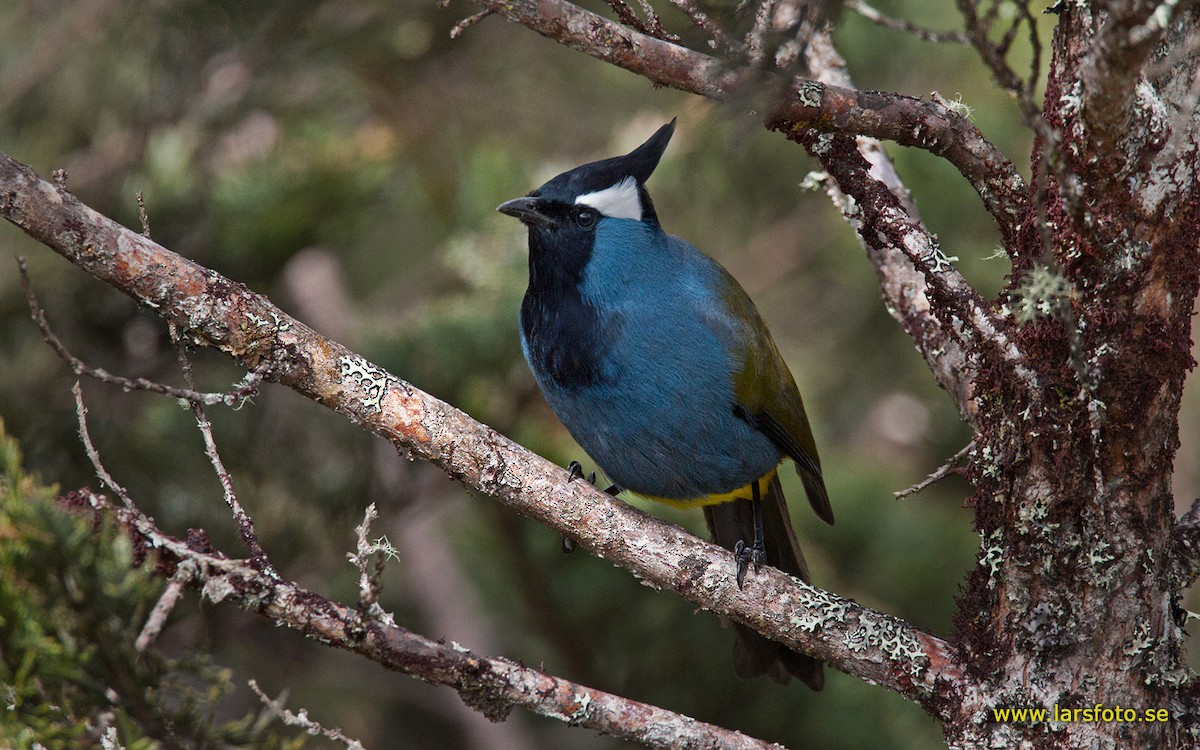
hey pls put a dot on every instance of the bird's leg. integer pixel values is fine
(575, 471)
(755, 554)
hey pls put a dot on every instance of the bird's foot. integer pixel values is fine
(747, 555)
(575, 471)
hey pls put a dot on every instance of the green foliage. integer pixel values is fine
(71, 605)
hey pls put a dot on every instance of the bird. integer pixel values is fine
(661, 368)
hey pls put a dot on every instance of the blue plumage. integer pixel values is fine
(657, 416)
(660, 366)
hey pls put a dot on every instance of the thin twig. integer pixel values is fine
(993, 55)
(468, 22)
(755, 41)
(244, 523)
(235, 398)
(301, 720)
(908, 27)
(365, 550)
(162, 610)
(625, 14)
(943, 471)
(142, 215)
(655, 23)
(93, 454)
(701, 20)
(652, 26)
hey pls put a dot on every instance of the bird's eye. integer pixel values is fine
(586, 218)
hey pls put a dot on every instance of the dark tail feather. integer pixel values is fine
(729, 523)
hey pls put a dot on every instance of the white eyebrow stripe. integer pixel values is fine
(620, 201)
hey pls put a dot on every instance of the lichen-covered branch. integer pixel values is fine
(218, 312)
(919, 123)
(953, 314)
(493, 686)
(235, 398)
(922, 289)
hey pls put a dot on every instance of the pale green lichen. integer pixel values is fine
(885, 634)
(891, 638)
(955, 105)
(938, 259)
(1033, 513)
(1041, 293)
(993, 554)
(276, 324)
(217, 589)
(368, 378)
(1148, 562)
(1142, 640)
(810, 94)
(822, 144)
(991, 468)
(827, 608)
(580, 714)
(814, 181)
(1033, 518)
(1099, 555)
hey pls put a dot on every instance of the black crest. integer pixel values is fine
(598, 175)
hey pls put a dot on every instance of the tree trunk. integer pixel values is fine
(1075, 601)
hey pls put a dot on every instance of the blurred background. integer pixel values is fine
(345, 157)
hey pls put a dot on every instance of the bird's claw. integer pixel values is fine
(575, 471)
(747, 555)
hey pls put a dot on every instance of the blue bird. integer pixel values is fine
(662, 369)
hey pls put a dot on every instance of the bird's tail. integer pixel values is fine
(729, 523)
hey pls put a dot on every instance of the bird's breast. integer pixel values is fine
(563, 339)
(647, 392)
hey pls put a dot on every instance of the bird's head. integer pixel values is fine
(576, 201)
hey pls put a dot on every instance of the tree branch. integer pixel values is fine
(218, 312)
(1109, 75)
(925, 294)
(492, 686)
(235, 398)
(950, 312)
(908, 27)
(928, 125)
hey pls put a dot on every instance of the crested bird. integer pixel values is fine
(660, 366)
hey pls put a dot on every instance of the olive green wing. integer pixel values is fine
(767, 396)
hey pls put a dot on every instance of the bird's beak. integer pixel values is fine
(527, 209)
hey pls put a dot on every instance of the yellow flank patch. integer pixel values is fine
(741, 493)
